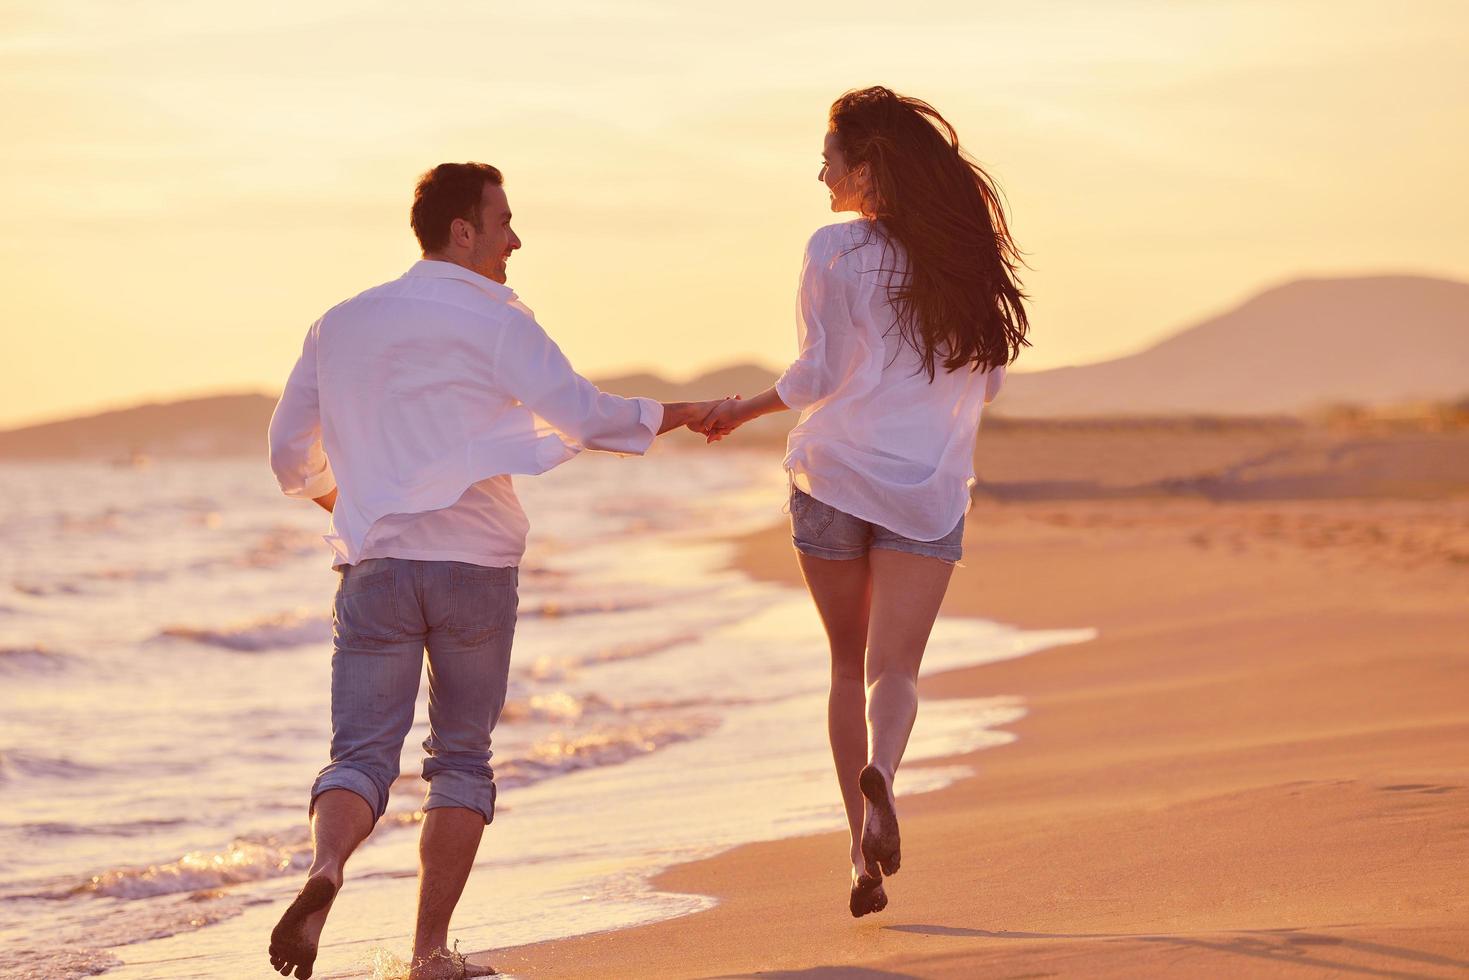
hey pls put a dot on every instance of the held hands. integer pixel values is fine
(677, 415)
(716, 419)
(722, 419)
(713, 419)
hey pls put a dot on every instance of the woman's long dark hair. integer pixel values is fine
(958, 299)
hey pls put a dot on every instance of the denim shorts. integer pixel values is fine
(821, 531)
(388, 611)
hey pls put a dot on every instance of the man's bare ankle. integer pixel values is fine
(430, 951)
(330, 870)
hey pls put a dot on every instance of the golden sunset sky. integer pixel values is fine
(188, 185)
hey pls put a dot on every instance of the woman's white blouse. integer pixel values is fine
(876, 438)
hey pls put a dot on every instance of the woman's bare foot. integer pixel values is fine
(881, 848)
(293, 941)
(867, 895)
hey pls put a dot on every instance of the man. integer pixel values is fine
(410, 408)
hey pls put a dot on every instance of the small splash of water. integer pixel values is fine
(383, 964)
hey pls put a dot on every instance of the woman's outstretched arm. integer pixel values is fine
(732, 413)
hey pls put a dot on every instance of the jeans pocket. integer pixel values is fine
(809, 517)
(482, 599)
(366, 605)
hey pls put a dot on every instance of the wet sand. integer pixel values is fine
(1259, 768)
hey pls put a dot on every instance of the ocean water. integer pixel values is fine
(164, 665)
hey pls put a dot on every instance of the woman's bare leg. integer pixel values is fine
(907, 591)
(842, 591)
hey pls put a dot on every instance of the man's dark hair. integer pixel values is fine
(449, 191)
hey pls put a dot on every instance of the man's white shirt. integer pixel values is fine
(417, 400)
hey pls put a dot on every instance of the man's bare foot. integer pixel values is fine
(293, 941)
(881, 848)
(439, 965)
(446, 964)
(867, 895)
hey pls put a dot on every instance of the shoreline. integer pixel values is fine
(1182, 797)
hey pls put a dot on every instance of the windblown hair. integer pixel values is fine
(958, 298)
(449, 191)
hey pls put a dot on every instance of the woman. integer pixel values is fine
(907, 318)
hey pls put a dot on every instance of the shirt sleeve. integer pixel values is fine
(993, 383)
(831, 343)
(531, 368)
(296, 454)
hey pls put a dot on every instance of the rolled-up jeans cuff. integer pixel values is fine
(457, 787)
(354, 781)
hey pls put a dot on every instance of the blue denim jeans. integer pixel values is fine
(387, 611)
(822, 531)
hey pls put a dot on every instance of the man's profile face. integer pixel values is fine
(492, 243)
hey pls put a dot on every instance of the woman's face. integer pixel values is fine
(848, 187)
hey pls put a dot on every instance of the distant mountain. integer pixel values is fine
(1370, 340)
(220, 425)
(235, 425)
(738, 379)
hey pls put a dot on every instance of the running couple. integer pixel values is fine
(415, 402)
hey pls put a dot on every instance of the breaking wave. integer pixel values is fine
(561, 754)
(244, 860)
(19, 763)
(274, 632)
(31, 660)
(555, 707)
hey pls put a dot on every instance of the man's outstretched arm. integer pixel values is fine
(676, 414)
(529, 366)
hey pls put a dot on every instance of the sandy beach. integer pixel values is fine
(1257, 769)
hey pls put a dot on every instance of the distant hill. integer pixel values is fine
(1370, 340)
(738, 379)
(220, 425)
(235, 425)
(1367, 341)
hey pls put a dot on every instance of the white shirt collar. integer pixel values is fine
(439, 269)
